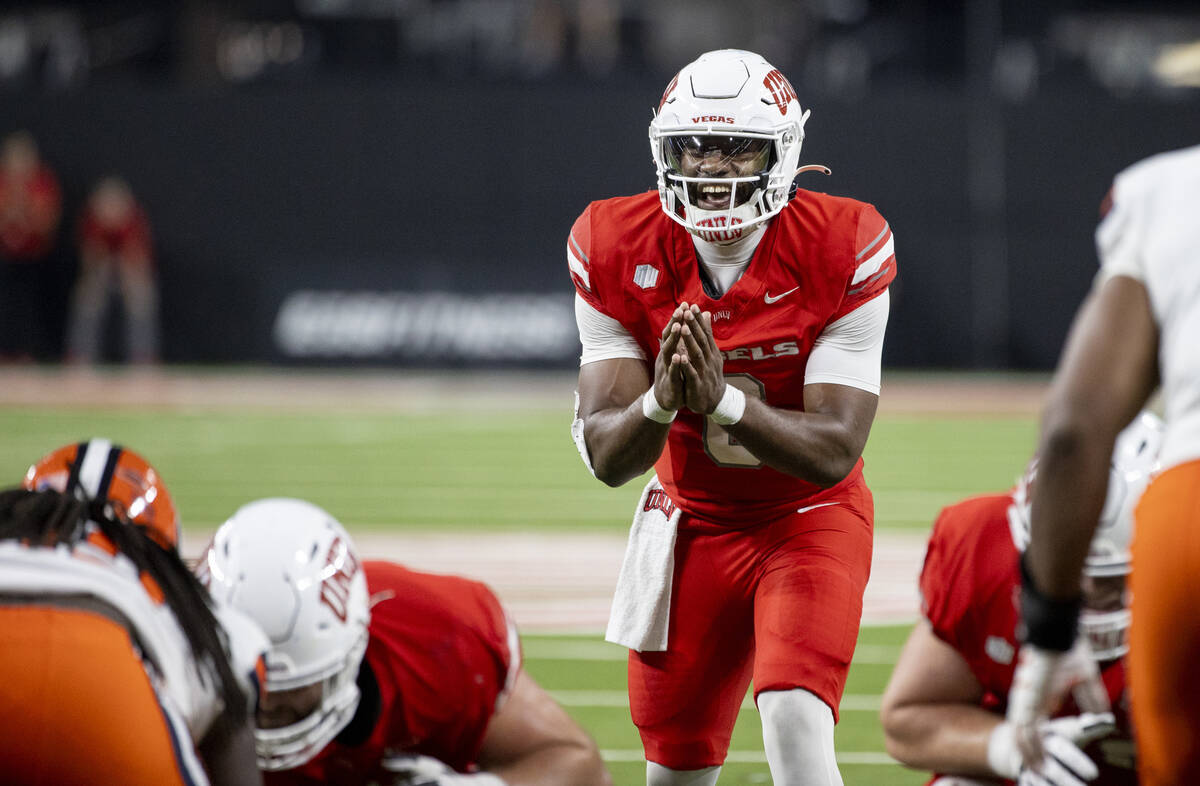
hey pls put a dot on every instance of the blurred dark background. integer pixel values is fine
(391, 182)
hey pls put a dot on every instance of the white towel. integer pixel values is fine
(642, 602)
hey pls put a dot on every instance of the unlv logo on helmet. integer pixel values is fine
(781, 90)
(335, 588)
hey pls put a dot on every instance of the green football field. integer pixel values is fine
(461, 469)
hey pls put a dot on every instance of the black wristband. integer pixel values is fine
(1048, 623)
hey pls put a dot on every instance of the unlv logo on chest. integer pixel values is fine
(781, 90)
(339, 572)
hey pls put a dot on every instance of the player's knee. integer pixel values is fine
(658, 775)
(796, 713)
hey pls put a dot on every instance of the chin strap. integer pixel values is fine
(824, 170)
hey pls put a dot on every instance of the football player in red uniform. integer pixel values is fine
(732, 330)
(380, 674)
(943, 709)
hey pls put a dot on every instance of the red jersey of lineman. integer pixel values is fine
(440, 651)
(818, 260)
(970, 593)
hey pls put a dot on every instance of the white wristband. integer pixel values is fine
(730, 408)
(655, 411)
(1003, 757)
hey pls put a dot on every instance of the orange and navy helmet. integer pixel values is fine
(99, 470)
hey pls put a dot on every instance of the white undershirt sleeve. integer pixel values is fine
(850, 350)
(603, 337)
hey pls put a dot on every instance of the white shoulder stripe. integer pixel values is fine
(875, 261)
(871, 245)
(572, 242)
(578, 269)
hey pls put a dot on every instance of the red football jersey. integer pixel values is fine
(970, 593)
(818, 260)
(439, 649)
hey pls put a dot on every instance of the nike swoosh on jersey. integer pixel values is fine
(768, 298)
(814, 507)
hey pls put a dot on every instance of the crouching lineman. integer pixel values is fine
(420, 684)
(113, 668)
(943, 709)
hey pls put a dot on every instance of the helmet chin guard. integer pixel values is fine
(729, 93)
(292, 568)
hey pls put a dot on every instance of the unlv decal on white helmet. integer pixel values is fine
(726, 144)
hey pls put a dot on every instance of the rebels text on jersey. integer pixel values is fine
(818, 260)
(970, 594)
(443, 654)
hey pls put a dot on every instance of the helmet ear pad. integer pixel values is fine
(293, 569)
(731, 94)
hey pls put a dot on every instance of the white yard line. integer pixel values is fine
(851, 702)
(756, 757)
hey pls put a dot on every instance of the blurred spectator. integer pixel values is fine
(30, 208)
(115, 254)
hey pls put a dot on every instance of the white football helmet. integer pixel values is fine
(735, 102)
(1134, 461)
(292, 568)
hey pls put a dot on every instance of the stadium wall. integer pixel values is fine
(404, 222)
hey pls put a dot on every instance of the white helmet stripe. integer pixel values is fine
(92, 470)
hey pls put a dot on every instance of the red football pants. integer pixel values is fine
(76, 705)
(779, 602)
(1164, 639)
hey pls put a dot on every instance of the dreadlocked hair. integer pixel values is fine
(48, 518)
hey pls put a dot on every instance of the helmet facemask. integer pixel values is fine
(286, 747)
(719, 180)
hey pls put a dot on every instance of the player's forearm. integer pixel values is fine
(813, 447)
(560, 765)
(946, 738)
(1069, 493)
(623, 443)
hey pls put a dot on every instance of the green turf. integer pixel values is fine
(517, 471)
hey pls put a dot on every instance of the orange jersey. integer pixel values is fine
(93, 568)
(819, 259)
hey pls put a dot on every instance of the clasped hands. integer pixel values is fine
(688, 370)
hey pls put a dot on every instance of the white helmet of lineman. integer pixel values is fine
(1134, 460)
(292, 568)
(735, 102)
